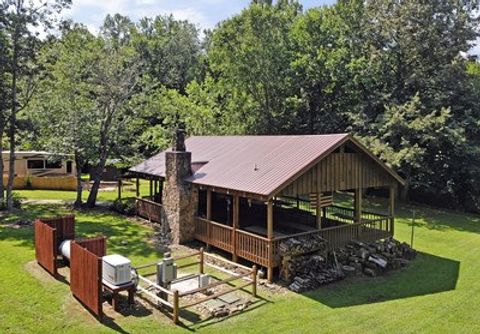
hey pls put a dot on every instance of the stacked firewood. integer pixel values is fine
(302, 245)
(374, 258)
(307, 272)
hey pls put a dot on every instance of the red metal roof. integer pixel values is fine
(252, 164)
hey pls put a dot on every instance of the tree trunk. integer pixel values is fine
(97, 175)
(13, 120)
(78, 201)
(97, 178)
(2, 168)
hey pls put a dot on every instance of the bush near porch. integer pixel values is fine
(436, 293)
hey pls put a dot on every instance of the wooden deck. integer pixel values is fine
(255, 247)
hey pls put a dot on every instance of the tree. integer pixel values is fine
(407, 132)
(414, 56)
(64, 104)
(4, 93)
(20, 18)
(326, 67)
(250, 56)
(170, 50)
(116, 75)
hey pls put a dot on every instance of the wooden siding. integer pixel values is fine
(340, 171)
(86, 274)
(46, 246)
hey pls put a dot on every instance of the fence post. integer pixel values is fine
(254, 281)
(201, 261)
(175, 307)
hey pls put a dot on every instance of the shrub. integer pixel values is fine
(124, 206)
(17, 202)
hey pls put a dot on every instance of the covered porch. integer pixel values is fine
(148, 202)
(253, 229)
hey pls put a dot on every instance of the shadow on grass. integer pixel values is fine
(428, 274)
(123, 236)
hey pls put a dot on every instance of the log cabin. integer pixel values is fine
(245, 194)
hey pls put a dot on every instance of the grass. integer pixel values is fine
(438, 292)
(69, 196)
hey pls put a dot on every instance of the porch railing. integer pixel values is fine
(252, 247)
(214, 234)
(347, 215)
(256, 248)
(148, 209)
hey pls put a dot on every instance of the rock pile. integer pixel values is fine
(307, 272)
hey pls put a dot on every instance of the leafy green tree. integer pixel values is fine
(407, 132)
(249, 57)
(64, 103)
(4, 93)
(326, 66)
(116, 76)
(170, 50)
(20, 18)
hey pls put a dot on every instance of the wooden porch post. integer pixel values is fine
(319, 210)
(358, 205)
(209, 214)
(151, 188)
(270, 240)
(137, 189)
(234, 226)
(391, 208)
(160, 189)
(209, 204)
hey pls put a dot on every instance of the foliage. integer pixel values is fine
(392, 73)
(170, 50)
(20, 23)
(124, 206)
(63, 106)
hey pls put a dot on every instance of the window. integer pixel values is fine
(35, 164)
(53, 164)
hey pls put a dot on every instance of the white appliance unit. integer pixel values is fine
(116, 269)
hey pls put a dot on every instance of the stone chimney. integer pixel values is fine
(178, 195)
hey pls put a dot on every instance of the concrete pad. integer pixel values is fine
(185, 285)
(229, 298)
(214, 304)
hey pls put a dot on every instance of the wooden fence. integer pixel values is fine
(49, 233)
(148, 209)
(65, 226)
(86, 272)
(46, 247)
(44, 182)
(173, 298)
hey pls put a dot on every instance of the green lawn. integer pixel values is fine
(436, 293)
(69, 196)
